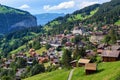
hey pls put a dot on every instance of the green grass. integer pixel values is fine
(117, 23)
(42, 49)
(80, 17)
(54, 23)
(4, 9)
(106, 71)
(54, 75)
(18, 49)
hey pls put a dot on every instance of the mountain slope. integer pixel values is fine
(104, 72)
(100, 14)
(108, 13)
(44, 18)
(11, 19)
(67, 22)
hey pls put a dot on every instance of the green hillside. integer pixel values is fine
(67, 22)
(106, 71)
(117, 23)
(18, 40)
(9, 24)
(55, 75)
(108, 13)
(6, 9)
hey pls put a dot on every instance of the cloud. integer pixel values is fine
(25, 6)
(63, 5)
(86, 3)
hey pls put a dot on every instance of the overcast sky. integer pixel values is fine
(50, 6)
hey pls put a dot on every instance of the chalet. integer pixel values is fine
(82, 62)
(55, 61)
(90, 68)
(43, 59)
(110, 55)
(32, 52)
(78, 30)
(7, 63)
(96, 37)
(43, 42)
(19, 73)
(69, 44)
(100, 48)
(90, 53)
(115, 47)
(73, 63)
(118, 42)
(29, 62)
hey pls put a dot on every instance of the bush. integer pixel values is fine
(38, 68)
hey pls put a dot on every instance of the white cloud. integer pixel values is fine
(25, 6)
(63, 5)
(87, 3)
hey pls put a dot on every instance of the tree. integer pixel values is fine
(47, 46)
(113, 35)
(64, 40)
(6, 78)
(21, 62)
(76, 39)
(38, 68)
(107, 39)
(78, 52)
(36, 45)
(7, 74)
(66, 58)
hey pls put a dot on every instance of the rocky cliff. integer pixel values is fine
(12, 19)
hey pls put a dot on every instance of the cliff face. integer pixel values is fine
(11, 19)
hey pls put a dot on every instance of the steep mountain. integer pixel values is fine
(108, 13)
(44, 18)
(15, 39)
(99, 14)
(15, 19)
(67, 22)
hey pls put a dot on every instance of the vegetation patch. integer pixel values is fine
(54, 75)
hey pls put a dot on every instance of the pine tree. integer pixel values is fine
(66, 58)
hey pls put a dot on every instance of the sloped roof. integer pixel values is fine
(90, 66)
(84, 61)
(118, 40)
(115, 47)
(73, 61)
(110, 53)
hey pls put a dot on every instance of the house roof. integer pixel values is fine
(118, 41)
(84, 61)
(99, 50)
(115, 47)
(73, 61)
(101, 46)
(90, 66)
(112, 53)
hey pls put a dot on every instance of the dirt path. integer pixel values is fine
(70, 75)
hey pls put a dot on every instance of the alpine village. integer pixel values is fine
(83, 45)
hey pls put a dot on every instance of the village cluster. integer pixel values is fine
(108, 53)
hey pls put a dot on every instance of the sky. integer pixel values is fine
(50, 6)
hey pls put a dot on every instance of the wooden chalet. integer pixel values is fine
(90, 68)
(110, 55)
(82, 62)
(73, 63)
(118, 42)
(115, 47)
